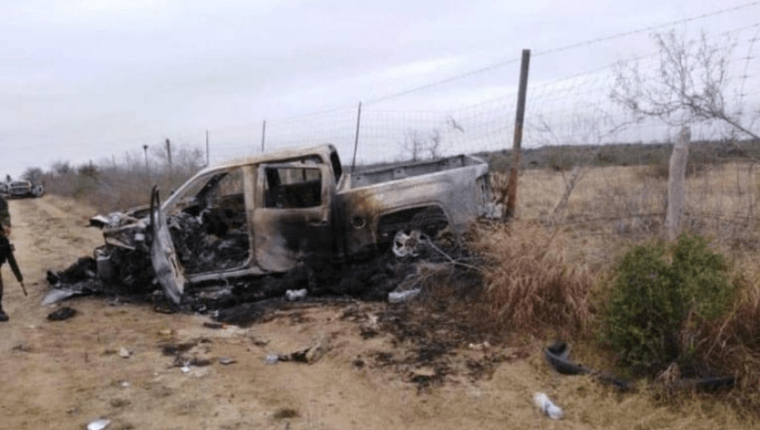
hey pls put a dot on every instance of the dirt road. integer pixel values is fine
(146, 370)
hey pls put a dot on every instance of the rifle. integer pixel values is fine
(6, 253)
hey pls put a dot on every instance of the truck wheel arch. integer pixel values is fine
(428, 219)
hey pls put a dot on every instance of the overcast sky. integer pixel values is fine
(89, 79)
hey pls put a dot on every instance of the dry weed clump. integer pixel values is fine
(731, 344)
(529, 286)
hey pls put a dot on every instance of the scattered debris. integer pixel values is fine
(173, 349)
(227, 361)
(213, 325)
(293, 295)
(542, 402)
(714, 384)
(125, 353)
(119, 403)
(61, 314)
(200, 361)
(358, 362)
(258, 342)
(370, 328)
(58, 294)
(671, 379)
(285, 413)
(402, 296)
(21, 347)
(484, 346)
(557, 355)
(311, 354)
(99, 424)
(426, 377)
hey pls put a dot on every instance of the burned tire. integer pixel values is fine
(408, 243)
(429, 220)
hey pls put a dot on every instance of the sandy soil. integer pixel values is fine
(65, 374)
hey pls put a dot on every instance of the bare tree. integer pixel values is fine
(689, 85)
(431, 144)
(33, 175)
(435, 144)
(417, 144)
(61, 168)
(413, 144)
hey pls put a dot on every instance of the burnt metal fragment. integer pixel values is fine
(61, 314)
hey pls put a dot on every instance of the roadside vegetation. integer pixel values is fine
(598, 274)
(112, 186)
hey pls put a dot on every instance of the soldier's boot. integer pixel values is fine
(3, 315)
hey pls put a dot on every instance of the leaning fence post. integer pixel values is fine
(356, 136)
(677, 184)
(519, 119)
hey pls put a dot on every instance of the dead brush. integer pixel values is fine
(731, 344)
(529, 286)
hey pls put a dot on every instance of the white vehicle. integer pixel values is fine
(25, 189)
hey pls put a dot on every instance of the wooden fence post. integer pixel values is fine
(677, 184)
(517, 140)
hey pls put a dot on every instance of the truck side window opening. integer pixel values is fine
(292, 187)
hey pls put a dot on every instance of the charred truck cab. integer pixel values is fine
(271, 212)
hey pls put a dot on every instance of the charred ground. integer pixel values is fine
(437, 318)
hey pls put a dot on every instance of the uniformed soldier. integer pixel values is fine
(5, 226)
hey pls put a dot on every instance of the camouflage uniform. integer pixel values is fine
(5, 223)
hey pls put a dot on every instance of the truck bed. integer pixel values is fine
(405, 170)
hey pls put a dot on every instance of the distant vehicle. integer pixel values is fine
(25, 189)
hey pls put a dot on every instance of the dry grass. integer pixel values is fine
(731, 344)
(529, 286)
(722, 201)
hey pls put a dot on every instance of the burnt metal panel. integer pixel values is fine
(285, 237)
(163, 256)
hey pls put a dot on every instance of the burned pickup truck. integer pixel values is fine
(268, 213)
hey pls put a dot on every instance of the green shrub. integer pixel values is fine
(656, 290)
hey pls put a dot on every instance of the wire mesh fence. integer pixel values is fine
(571, 109)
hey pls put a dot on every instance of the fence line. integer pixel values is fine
(568, 106)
